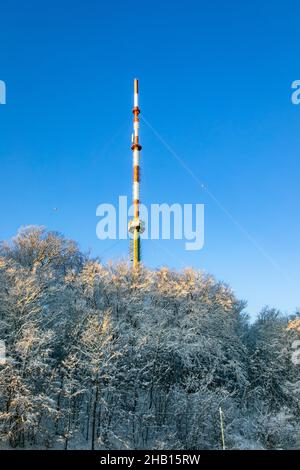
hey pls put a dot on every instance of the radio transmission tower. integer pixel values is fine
(135, 225)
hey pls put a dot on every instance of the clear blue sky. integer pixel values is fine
(215, 81)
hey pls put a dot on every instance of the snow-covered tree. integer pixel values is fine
(102, 356)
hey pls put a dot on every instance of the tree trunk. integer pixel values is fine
(94, 417)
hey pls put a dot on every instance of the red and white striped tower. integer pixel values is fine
(135, 225)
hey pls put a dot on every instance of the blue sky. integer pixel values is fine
(215, 82)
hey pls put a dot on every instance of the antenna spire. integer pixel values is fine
(135, 225)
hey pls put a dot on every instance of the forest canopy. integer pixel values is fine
(104, 357)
